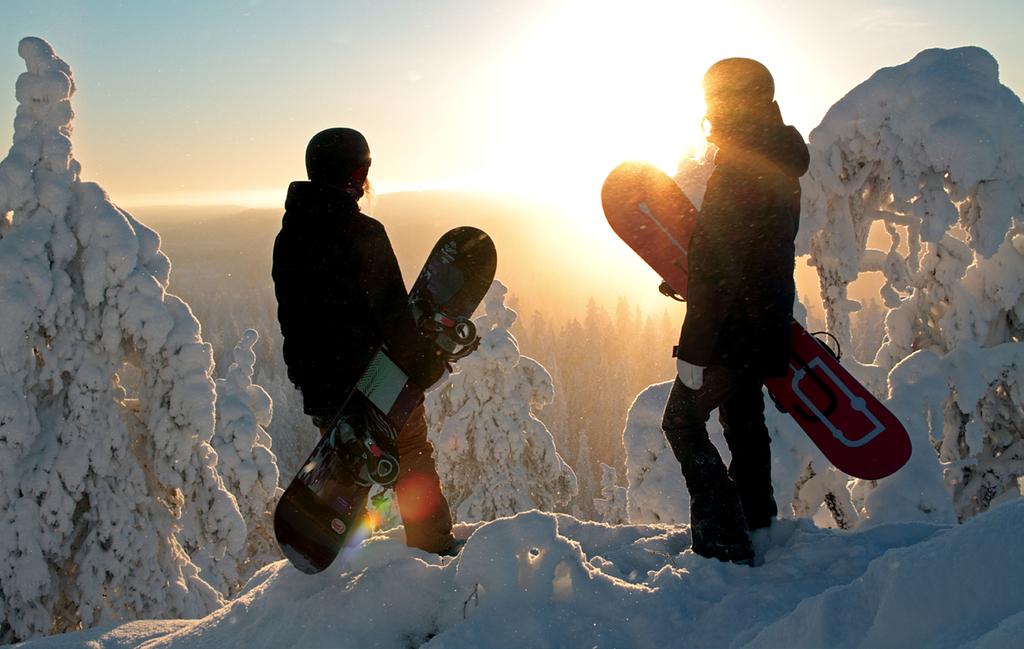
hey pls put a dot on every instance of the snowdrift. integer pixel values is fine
(542, 580)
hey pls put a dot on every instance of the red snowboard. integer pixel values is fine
(852, 428)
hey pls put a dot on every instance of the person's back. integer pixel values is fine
(317, 260)
(339, 297)
(339, 289)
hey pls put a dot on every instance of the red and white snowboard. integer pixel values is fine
(857, 434)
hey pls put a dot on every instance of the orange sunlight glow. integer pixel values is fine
(253, 198)
(595, 83)
(598, 83)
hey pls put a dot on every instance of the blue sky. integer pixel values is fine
(179, 100)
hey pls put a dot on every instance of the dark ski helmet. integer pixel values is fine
(738, 81)
(334, 154)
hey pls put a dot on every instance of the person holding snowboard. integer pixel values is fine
(340, 296)
(739, 307)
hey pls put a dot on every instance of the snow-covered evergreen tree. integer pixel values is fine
(583, 503)
(934, 151)
(93, 483)
(495, 458)
(611, 506)
(249, 469)
(824, 492)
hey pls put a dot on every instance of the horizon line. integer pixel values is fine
(275, 198)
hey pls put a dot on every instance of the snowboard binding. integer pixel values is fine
(837, 352)
(368, 463)
(456, 337)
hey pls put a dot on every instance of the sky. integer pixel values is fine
(213, 102)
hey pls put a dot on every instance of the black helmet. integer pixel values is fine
(739, 81)
(334, 154)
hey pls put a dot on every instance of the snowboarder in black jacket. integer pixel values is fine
(340, 296)
(739, 309)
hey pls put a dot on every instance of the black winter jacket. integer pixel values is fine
(741, 290)
(340, 295)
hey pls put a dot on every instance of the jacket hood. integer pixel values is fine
(778, 146)
(310, 201)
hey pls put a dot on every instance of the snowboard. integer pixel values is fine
(855, 432)
(323, 510)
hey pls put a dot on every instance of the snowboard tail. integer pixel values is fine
(320, 512)
(309, 532)
(857, 434)
(323, 510)
(853, 430)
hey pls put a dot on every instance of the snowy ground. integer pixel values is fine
(541, 580)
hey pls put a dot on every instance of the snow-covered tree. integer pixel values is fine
(611, 506)
(249, 469)
(933, 151)
(583, 503)
(656, 491)
(495, 458)
(94, 480)
(824, 491)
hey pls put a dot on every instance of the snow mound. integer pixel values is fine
(544, 580)
(955, 587)
(657, 492)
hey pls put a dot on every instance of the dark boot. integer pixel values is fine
(717, 526)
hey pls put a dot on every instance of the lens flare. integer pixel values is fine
(417, 498)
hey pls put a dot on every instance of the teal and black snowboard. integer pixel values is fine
(324, 507)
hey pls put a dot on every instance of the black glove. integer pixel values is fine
(668, 291)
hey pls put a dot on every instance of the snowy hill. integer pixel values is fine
(540, 580)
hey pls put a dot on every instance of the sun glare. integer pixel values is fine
(593, 84)
(596, 84)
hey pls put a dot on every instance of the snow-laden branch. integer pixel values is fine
(934, 145)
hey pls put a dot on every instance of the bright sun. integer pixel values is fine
(598, 83)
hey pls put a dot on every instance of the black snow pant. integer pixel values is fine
(724, 503)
